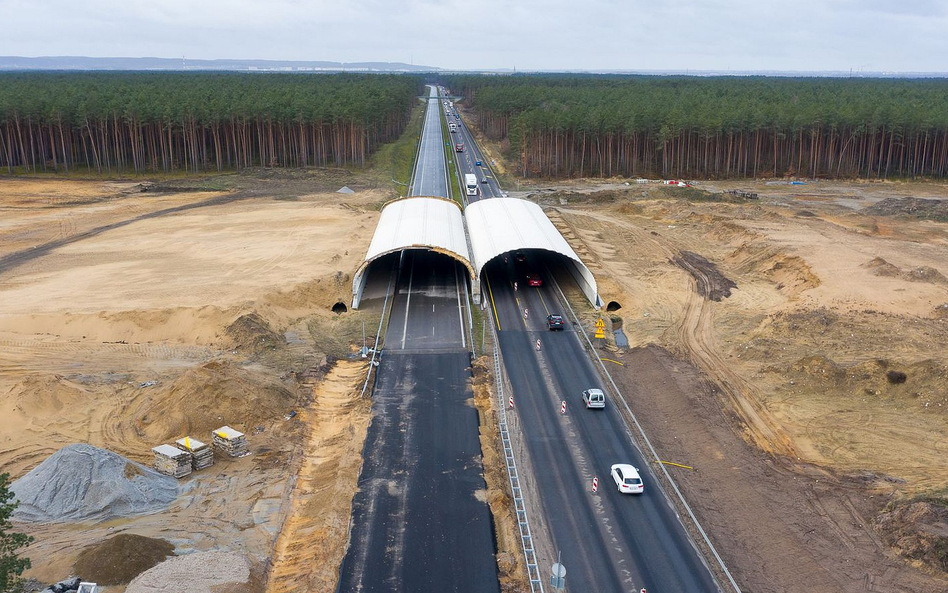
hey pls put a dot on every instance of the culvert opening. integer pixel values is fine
(613, 306)
(339, 307)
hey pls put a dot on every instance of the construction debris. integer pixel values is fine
(69, 585)
(172, 461)
(201, 454)
(230, 441)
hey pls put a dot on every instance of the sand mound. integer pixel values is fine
(84, 483)
(38, 395)
(926, 274)
(212, 395)
(918, 530)
(203, 572)
(119, 559)
(251, 333)
(791, 273)
(880, 267)
(924, 381)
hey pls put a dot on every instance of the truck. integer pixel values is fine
(470, 182)
(459, 147)
(453, 127)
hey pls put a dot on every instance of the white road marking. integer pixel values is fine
(411, 275)
(457, 290)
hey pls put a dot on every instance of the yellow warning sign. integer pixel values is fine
(600, 325)
(600, 333)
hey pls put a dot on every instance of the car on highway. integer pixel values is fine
(555, 322)
(594, 398)
(534, 280)
(627, 479)
(520, 257)
(484, 180)
(477, 163)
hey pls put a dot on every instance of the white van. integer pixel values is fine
(594, 398)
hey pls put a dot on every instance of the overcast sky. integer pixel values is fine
(862, 35)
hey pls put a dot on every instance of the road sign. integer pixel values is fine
(600, 329)
(563, 408)
(558, 577)
(538, 345)
(595, 484)
(510, 402)
(600, 334)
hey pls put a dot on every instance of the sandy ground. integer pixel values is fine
(130, 319)
(779, 393)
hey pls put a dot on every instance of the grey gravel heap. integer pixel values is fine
(172, 461)
(85, 483)
(69, 585)
(201, 454)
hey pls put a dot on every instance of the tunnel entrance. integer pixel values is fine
(613, 306)
(339, 308)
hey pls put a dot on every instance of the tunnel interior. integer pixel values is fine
(529, 265)
(421, 269)
(613, 306)
(339, 308)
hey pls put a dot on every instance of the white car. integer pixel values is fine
(627, 479)
(593, 398)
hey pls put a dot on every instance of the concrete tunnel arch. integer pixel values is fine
(416, 222)
(501, 225)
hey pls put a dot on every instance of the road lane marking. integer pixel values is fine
(540, 294)
(457, 289)
(411, 275)
(492, 304)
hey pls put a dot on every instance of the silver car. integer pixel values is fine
(594, 398)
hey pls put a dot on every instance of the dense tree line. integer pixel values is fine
(140, 122)
(715, 127)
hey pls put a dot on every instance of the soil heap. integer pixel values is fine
(119, 559)
(85, 483)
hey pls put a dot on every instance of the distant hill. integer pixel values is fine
(86, 63)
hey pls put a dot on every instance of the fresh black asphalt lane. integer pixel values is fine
(419, 520)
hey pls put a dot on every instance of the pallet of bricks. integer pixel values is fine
(230, 441)
(172, 461)
(201, 454)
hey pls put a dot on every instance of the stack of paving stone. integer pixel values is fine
(172, 461)
(201, 455)
(230, 441)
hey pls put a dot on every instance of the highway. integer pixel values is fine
(609, 541)
(467, 160)
(419, 521)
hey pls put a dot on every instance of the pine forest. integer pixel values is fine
(144, 122)
(719, 127)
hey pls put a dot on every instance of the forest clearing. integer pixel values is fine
(829, 298)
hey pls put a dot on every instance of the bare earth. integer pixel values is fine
(135, 331)
(778, 394)
(130, 319)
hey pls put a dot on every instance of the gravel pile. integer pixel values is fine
(85, 483)
(202, 572)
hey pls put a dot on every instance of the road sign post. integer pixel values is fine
(595, 484)
(538, 345)
(563, 408)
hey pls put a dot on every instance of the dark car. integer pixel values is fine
(556, 322)
(520, 257)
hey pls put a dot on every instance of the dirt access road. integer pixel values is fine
(786, 348)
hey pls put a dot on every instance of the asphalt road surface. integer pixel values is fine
(609, 541)
(417, 522)
(430, 178)
(467, 160)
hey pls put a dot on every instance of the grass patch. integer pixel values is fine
(396, 160)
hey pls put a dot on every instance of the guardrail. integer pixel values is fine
(648, 443)
(526, 535)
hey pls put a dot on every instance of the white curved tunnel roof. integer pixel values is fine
(500, 225)
(494, 227)
(435, 224)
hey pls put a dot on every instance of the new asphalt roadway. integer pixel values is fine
(419, 520)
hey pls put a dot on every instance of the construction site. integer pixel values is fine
(181, 386)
